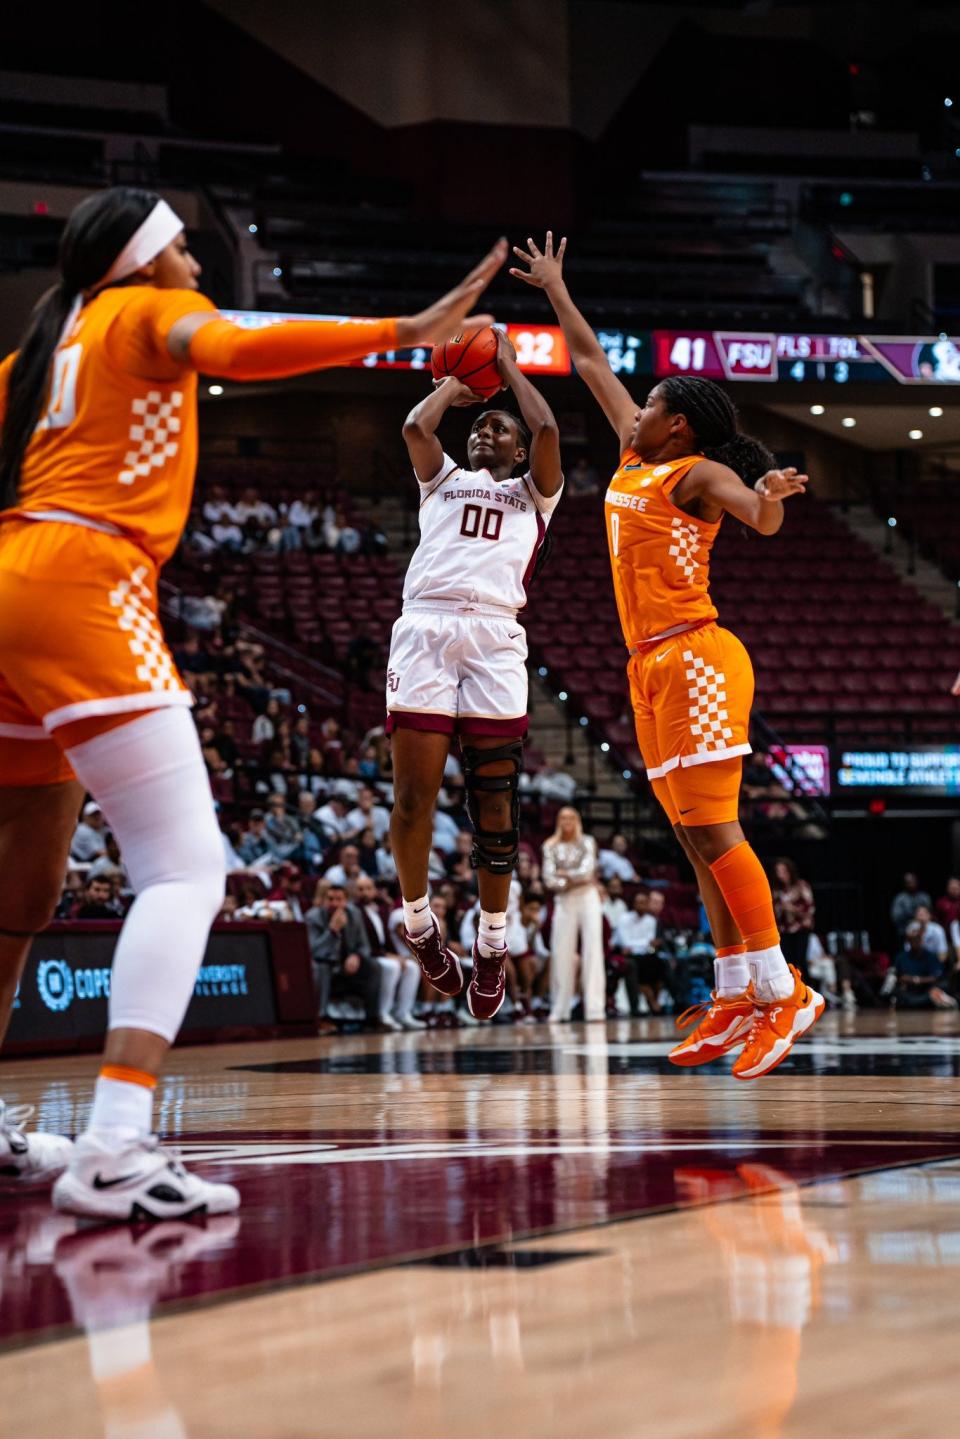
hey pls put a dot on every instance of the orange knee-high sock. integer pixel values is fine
(746, 890)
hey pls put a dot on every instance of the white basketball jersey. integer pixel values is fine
(479, 539)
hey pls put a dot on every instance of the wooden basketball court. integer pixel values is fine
(529, 1231)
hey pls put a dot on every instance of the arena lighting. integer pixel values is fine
(628, 774)
(543, 672)
(605, 748)
(817, 409)
(214, 389)
(584, 720)
(935, 411)
(948, 103)
(562, 696)
(915, 434)
(277, 272)
(846, 198)
(848, 422)
(252, 229)
(892, 522)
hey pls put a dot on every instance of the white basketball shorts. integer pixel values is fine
(457, 673)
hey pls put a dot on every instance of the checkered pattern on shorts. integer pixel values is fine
(134, 600)
(685, 548)
(708, 700)
(154, 422)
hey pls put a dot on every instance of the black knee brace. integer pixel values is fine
(483, 857)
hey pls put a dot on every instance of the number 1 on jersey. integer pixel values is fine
(62, 409)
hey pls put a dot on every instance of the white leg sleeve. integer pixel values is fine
(149, 778)
(408, 988)
(389, 980)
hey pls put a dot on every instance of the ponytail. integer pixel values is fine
(93, 237)
(712, 417)
(27, 388)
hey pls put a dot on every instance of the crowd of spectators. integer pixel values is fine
(308, 522)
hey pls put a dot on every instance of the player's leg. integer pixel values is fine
(419, 756)
(491, 771)
(787, 1006)
(148, 775)
(37, 820)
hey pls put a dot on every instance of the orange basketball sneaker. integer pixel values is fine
(725, 1023)
(777, 1027)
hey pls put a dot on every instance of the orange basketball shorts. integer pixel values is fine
(79, 636)
(691, 696)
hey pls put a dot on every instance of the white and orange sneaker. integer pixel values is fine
(777, 1027)
(724, 1023)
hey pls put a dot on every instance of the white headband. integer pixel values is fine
(160, 227)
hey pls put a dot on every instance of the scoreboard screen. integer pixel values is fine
(926, 769)
(744, 355)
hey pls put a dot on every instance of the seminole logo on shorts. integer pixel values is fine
(134, 600)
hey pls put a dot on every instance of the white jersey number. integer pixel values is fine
(615, 531)
(480, 522)
(62, 409)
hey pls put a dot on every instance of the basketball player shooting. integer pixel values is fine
(458, 656)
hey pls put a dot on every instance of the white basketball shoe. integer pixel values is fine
(142, 1182)
(32, 1158)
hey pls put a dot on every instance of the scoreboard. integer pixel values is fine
(758, 356)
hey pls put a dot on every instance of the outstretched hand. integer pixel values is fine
(546, 269)
(781, 484)
(506, 353)
(450, 315)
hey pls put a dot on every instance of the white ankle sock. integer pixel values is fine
(121, 1110)
(417, 916)
(770, 974)
(731, 974)
(492, 933)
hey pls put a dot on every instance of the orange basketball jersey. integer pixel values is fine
(117, 441)
(658, 554)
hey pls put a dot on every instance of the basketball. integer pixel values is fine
(472, 359)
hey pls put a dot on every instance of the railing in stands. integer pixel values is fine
(800, 778)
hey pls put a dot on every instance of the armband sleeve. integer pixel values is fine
(292, 347)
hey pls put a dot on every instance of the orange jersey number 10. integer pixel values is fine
(62, 409)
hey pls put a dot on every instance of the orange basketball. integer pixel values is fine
(472, 359)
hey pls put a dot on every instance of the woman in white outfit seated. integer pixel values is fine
(570, 872)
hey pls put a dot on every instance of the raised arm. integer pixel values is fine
(214, 346)
(420, 426)
(544, 458)
(720, 491)
(546, 273)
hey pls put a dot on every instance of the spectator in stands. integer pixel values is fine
(795, 911)
(570, 872)
(300, 744)
(282, 830)
(399, 973)
(287, 890)
(193, 659)
(367, 850)
(89, 838)
(533, 959)
(919, 973)
(227, 535)
(72, 894)
(340, 535)
(363, 652)
(904, 905)
(110, 866)
(553, 784)
(314, 840)
(254, 848)
(458, 862)
(386, 864)
(264, 726)
(582, 478)
(612, 902)
(312, 777)
(934, 935)
(333, 817)
(341, 954)
(218, 506)
(98, 901)
(332, 744)
(367, 814)
(616, 861)
(635, 940)
(948, 905)
(446, 831)
(369, 766)
(225, 744)
(347, 869)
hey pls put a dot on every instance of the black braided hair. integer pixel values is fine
(712, 417)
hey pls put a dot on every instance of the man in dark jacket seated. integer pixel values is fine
(342, 961)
